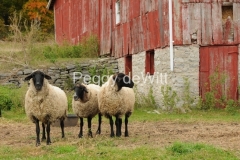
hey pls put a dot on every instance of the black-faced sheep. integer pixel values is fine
(116, 98)
(46, 103)
(85, 105)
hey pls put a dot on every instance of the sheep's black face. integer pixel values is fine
(79, 92)
(38, 78)
(123, 80)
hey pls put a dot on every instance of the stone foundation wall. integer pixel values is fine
(186, 65)
(63, 74)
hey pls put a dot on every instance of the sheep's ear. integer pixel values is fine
(47, 77)
(28, 77)
(116, 78)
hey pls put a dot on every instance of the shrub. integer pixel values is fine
(170, 98)
(88, 48)
(11, 97)
(145, 101)
(187, 98)
(3, 29)
(232, 107)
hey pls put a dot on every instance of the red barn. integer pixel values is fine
(188, 38)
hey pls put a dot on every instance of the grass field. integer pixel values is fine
(212, 134)
(195, 135)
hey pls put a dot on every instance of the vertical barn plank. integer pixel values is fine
(204, 83)
(195, 22)
(94, 18)
(73, 22)
(160, 16)
(106, 28)
(146, 39)
(186, 24)
(154, 5)
(232, 60)
(66, 20)
(126, 32)
(134, 36)
(85, 17)
(134, 8)
(217, 24)
(79, 20)
(58, 23)
(236, 22)
(165, 23)
(151, 30)
(124, 11)
(156, 32)
(131, 39)
(142, 7)
(140, 34)
(177, 22)
(228, 31)
(206, 23)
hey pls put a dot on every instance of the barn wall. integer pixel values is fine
(238, 68)
(76, 19)
(175, 79)
(144, 24)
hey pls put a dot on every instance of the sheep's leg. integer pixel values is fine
(99, 123)
(44, 133)
(118, 124)
(62, 127)
(37, 131)
(126, 124)
(48, 133)
(111, 125)
(89, 126)
(80, 135)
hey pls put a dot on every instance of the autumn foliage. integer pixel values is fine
(36, 10)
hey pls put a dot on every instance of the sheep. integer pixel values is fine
(44, 102)
(85, 105)
(116, 98)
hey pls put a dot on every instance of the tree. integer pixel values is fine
(7, 7)
(36, 10)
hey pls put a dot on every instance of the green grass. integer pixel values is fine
(142, 115)
(108, 149)
(115, 148)
(194, 116)
(182, 151)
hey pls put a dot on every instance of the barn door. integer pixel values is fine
(219, 71)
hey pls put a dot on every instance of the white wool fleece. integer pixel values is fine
(112, 102)
(50, 102)
(89, 106)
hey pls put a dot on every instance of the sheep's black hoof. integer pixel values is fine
(38, 144)
(80, 136)
(43, 138)
(49, 143)
(90, 134)
(98, 132)
(126, 134)
(112, 135)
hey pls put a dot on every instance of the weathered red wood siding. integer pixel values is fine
(144, 24)
(76, 19)
(221, 61)
(106, 35)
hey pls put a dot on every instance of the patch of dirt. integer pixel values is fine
(162, 134)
